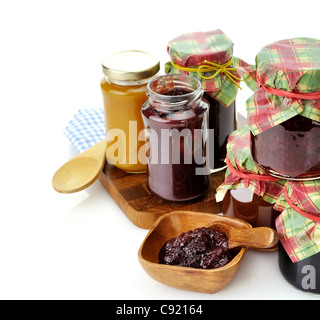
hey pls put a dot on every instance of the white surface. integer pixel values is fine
(81, 246)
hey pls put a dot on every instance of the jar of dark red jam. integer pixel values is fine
(223, 121)
(243, 204)
(304, 274)
(289, 150)
(176, 122)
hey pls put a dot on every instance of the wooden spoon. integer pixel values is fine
(258, 238)
(81, 171)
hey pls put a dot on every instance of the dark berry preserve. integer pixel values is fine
(176, 119)
(201, 248)
(290, 150)
(223, 121)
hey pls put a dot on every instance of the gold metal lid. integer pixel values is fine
(130, 65)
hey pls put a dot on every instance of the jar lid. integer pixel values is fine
(130, 65)
(208, 57)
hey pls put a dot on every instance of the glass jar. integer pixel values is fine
(289, 150)
(124, 92)
(176, 122)
(223, 121)
(304, 274)
(208, 56)
(243, 204)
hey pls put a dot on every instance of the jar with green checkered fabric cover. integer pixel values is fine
(247, 193)
(208, 56)
(283, 114)
(299, 228)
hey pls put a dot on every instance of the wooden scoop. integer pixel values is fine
(81, 171)
(257, 238)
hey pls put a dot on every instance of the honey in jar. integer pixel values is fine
(123, 87)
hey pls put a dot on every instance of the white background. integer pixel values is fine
(82, 246)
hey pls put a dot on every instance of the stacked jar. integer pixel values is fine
(284, 121)
(298, 225)
(247, 192)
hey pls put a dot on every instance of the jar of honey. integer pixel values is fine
(176, 120)
(123, 87)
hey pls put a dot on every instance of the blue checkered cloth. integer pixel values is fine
(86, 128)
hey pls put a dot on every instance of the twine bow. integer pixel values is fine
(209, 66)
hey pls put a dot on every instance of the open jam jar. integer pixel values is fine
(176, 122)
(289, 150)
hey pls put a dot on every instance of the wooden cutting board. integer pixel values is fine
(141, 207)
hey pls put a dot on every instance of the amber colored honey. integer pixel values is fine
(122, 104)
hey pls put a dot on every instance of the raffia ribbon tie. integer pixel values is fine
(209, 66)
(250, 176)
(288, 94)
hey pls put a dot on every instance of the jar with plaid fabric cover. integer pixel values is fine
(284, 111)
(208, 56)
(298, 226)
(247, 193)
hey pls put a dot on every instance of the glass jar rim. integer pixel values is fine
(188, 79)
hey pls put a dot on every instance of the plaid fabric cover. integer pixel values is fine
(292, 65)
(299, 236)
(239, 154)
(191, 49)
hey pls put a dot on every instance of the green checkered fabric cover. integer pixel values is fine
(191, 49)
(291, 65)
(299, 235)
